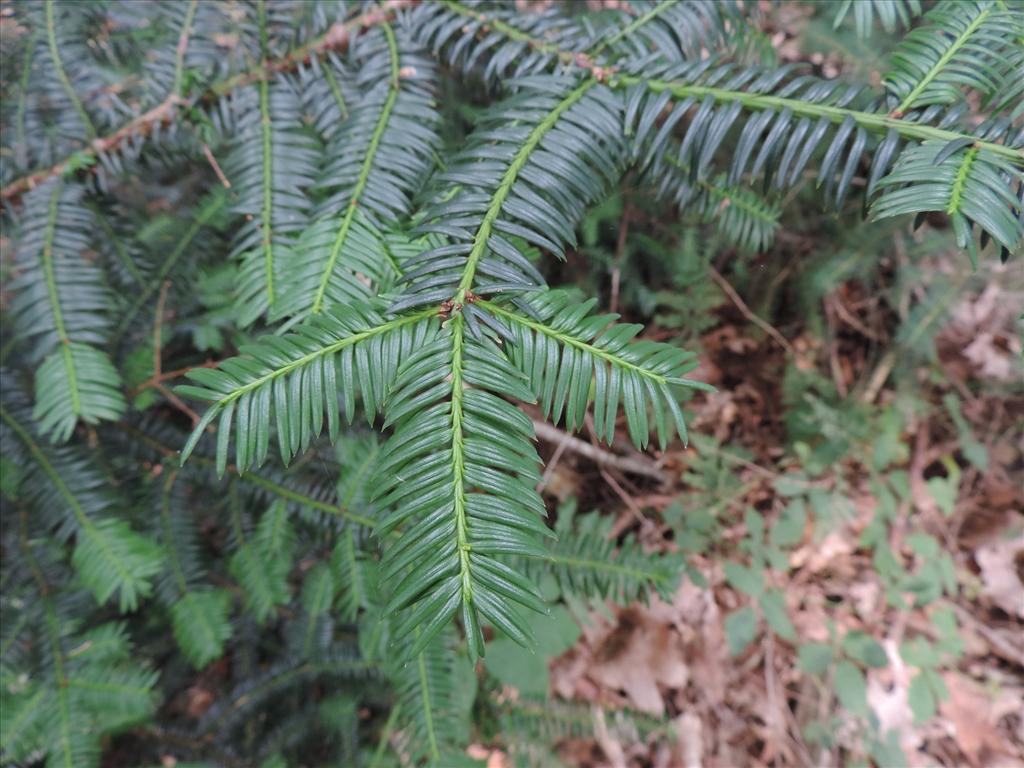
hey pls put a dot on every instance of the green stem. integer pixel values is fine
(428, 711)
(52, 625)
(118, 246)
(47, 264)
(13, 729)
(91, 685)
(183, 38)
(364, 173)
(946, 57)
(63, 705)
(88, 529)
(512, 33)
(19, 121)
(458, 460)
(165, 521)
(630, 28)
(867, 120)
(385, 735)
(58, 66)
(720, 193)
(268, 163)
(483, 233)
(962, 174)
(287, 493)
(277, 489)
(51, 288)
(571, 341)
(339, 97)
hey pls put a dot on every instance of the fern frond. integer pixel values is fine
(969, 185)
(296, 378)
(123, 694)
(78, 686)
(789, 120)
(60, 49)
(566, 347)
(179, 538)
(891, 14)
(464, 502)
(239, 704)
(329, 93)
(92, 696)
(528, 171)
(263, 578)
(272, 163)
(200, 617)
(424, 687)
(109, 556)
(307, 495)
(122, 253)
(318, 590)
(668, 31)
(496, 38)
(378, 159)
(209, 210)
(76, 382)
(355, 575)
(202, 626)
(963, 45)
(49, 120)
(588, 565)
(528, 722)
(744, 217)
(191, 30)
(60, 309)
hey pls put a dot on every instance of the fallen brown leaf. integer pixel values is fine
(970, 710)
(1002, 566)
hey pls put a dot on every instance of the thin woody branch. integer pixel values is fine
(336, 39)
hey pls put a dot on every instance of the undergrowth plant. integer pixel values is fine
(294, 190)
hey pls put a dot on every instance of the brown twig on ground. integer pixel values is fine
(553, 462)
(334, 39)
(833, 302)
(599, 456)
(637, 513)
(879, 376)
(832, 342)
(741, 305)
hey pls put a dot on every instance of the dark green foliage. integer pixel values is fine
(280, 186)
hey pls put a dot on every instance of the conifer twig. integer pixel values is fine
(336, 38)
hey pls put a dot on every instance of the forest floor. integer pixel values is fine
(946, 491)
